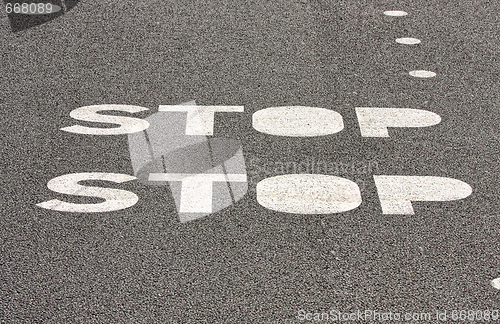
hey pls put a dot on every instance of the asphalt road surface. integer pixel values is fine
(308, 215)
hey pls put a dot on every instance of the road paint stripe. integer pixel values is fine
(395, 13)
(408, 41)
(496, 283)
(308, 194)
(297, 121)
(200, 119)
(397, 192)
(422, 74)
(373, 122)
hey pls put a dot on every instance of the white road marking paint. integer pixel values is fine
(308, 194)
(188, 163)
(373, 122)
(116, 199)
(196, 191)
(297, 121)
(408, 40)
(422, 74)
(397, 192)
(496, 283)
(89, 113)
(200, 119)
(395, 13)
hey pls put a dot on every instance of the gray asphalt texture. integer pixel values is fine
(245, 263)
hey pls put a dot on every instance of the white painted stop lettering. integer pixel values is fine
(128, 125)
(297, 121)
(116, 199)
(200, 119)
(397, 192)
(308, 194)
(373, 122)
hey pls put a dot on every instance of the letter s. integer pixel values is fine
(116, 199)
(89, 113)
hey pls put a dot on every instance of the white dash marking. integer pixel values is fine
(408, 41)
(395, 13)
(496, 283)
(422, 74)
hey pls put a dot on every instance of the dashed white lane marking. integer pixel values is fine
(373, 122)
(408, 41)
(422, 74)
(496, 283)
(308, 194)
(395, 13)
(297, 121)
(397, 192)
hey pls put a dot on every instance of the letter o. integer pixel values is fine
(308, 194)
(297, 121)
